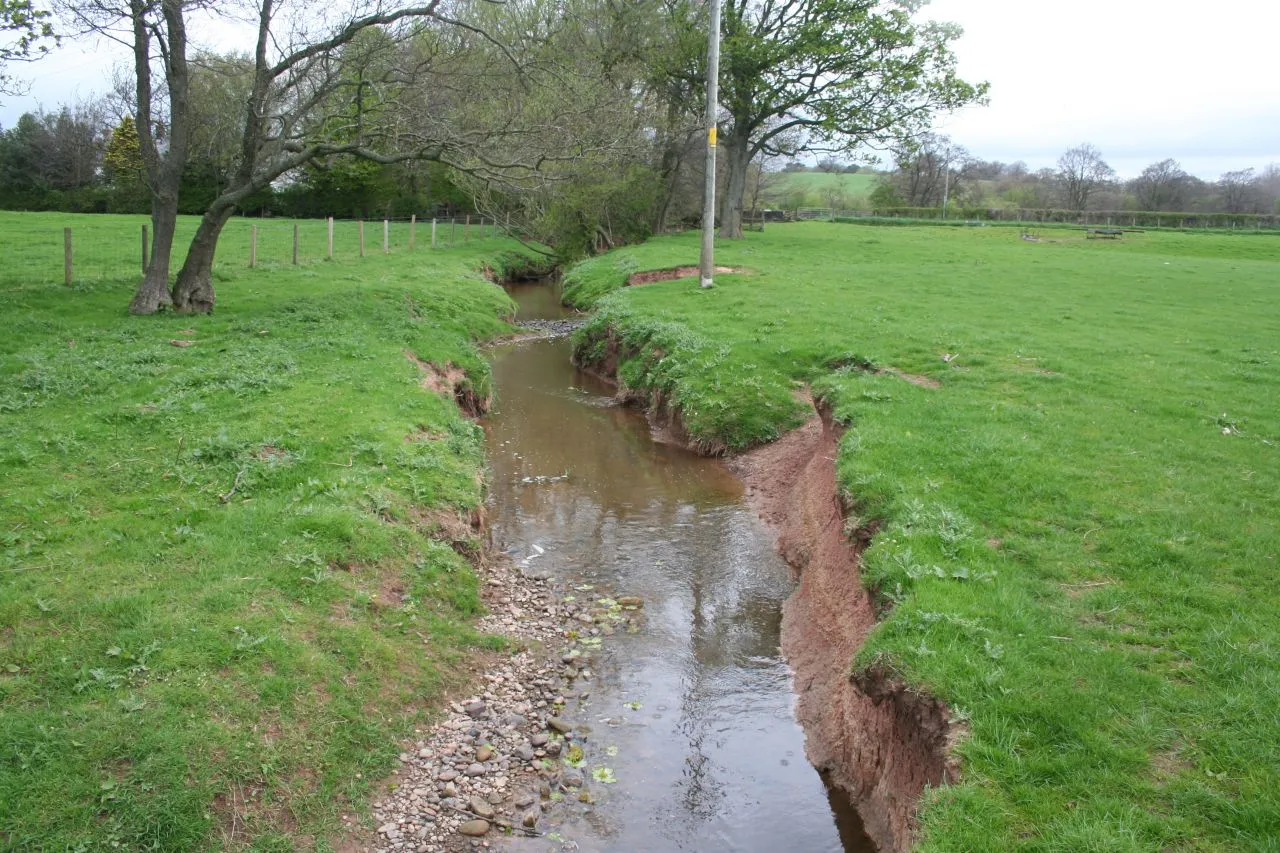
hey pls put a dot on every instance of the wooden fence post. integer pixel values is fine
(453, 230)
(433, 232)
(413, 230)
(66, 256)
(362, 238)
(466, 229)
(145, 259)
(295, 244)
(253, 247)
(386, 236)
(330, 238)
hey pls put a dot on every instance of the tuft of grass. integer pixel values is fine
(1077, 542)
(221, 605)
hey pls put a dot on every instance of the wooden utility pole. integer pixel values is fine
(67, 271)
(707, 263)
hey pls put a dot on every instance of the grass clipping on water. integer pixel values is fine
(1077, 545)
(223, 598)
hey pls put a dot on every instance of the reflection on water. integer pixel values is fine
(698, 705)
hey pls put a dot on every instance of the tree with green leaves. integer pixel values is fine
(123, 168)
(828, 76)
(26, 33)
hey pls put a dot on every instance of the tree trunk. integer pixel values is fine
(152, 294)
(193, 291)
(738, 161)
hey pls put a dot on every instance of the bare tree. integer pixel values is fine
(1240, 191)
(321, 82)
(931, 169)
(1268, 184)
(1081, 171)
(1161, 186)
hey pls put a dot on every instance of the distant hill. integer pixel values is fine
(810, 189)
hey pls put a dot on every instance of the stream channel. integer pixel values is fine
(693, 714)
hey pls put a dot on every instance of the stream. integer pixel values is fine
(692, 716)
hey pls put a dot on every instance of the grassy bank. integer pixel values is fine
(224, 591)
(1076, 526)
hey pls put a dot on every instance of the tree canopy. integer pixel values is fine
(829, 75)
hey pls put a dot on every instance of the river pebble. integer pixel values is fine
(493, 761)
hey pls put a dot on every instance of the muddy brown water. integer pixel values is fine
(693, 714)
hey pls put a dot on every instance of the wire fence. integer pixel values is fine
(49, 248)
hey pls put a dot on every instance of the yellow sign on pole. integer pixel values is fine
(711, 137)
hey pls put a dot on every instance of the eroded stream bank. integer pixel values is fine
(693, 741)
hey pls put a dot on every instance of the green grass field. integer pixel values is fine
(223, 599)
(1079, 536)
(813, 189)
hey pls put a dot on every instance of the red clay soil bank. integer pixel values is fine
(874, 737)
(451, 380)
(879, 741)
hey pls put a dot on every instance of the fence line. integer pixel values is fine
(1037, 216)
(91, 248)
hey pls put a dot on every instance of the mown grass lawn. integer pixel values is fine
(1077, 527)
(222, 602)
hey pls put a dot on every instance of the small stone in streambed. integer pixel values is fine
(474, 828)
(571, 778)
(524, 752)
(475, 770)
(525, 800)
(448, 775)
(539, 740)
(629, 601)
(553, 748)
(530, 819)
(482, 808)
(484, 753)
(562, 726)
(476, 710)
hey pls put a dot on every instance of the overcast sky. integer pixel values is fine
(1140, 79)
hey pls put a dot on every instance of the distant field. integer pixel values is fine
(786, 188)
(1077, 547)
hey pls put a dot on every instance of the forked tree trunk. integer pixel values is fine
(152, 294)
(193, 291)
(737, 161)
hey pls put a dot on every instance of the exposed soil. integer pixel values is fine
(650, 276)
(451, 380)
(913, 378)
(876, 738)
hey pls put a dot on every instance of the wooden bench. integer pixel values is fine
(1103, 233)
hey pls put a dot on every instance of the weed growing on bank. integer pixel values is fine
(1076, 545)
